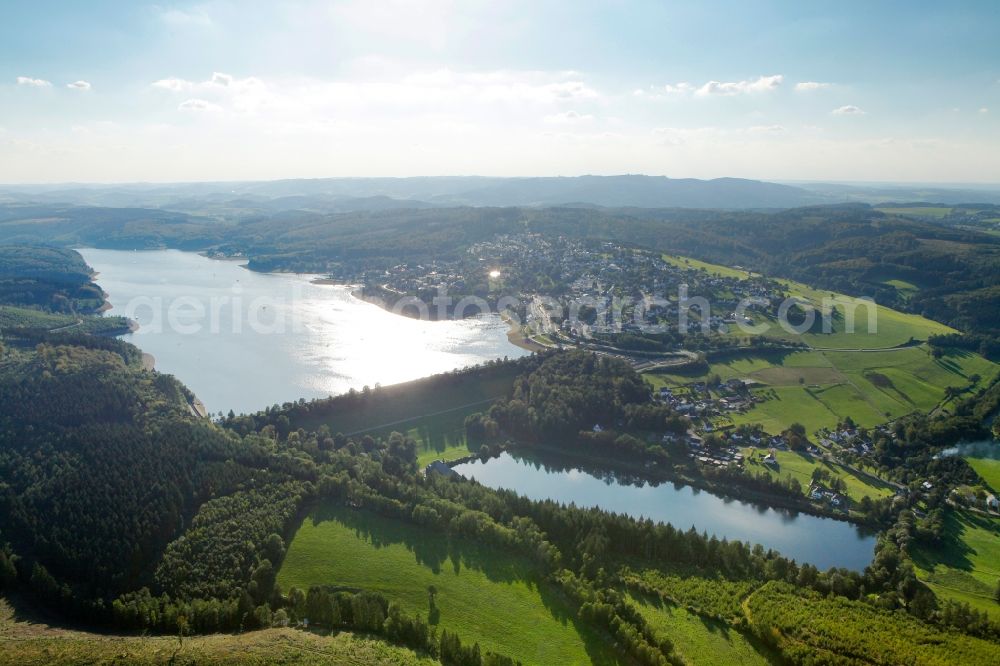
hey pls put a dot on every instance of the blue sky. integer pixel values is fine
(224, 90)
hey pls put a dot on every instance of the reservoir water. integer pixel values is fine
(244, 341)
(823, 542)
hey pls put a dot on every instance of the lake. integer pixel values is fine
(823, 542)
(244, 341)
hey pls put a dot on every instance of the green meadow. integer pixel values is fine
(889, 328)
(966, 564)
(482, 593)
(936, 212)
(713, 269)
(989, 469)
(819, 388)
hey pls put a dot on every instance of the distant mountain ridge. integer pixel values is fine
(332, 194)
(337, 195)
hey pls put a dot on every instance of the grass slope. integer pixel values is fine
(966, 565)
(28, 643)
(818, 388)
(483, 594)
(989, 469)
(701, 640)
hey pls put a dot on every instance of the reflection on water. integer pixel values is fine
(824, 542)
(243, 340)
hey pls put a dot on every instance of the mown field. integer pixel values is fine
(989, 469)
(29, 643)
(966, 566)
(483, 594)
(819, 388)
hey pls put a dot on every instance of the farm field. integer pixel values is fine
(818, 388)
(917, 211)
(483, 594)
(966, 566)
(700, 640)
(27, 643)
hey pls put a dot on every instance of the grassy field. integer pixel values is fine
(484, 594)
(818, 388)
(872, 376)
(989, 469)
(27, 643)
(800, 466)
(784, 405)
(966, 566)
(890, 328)
(905, 289)
(712, 269)
(936, 212)
(698, 639)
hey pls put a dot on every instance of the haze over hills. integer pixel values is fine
(333, 195)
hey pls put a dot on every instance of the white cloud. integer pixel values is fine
(198, 105)
(33, 83)
(569, 117)
(848, 110)
(173, 84)
(681, 88)
(723, 88)
(766, 129)
(82, 86)
(196, 16)
(807, 86)
(730, 88)
(984, 110)
(220, 79)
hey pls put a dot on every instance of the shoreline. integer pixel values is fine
(515, 334)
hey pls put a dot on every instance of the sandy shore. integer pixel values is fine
(515, 335)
